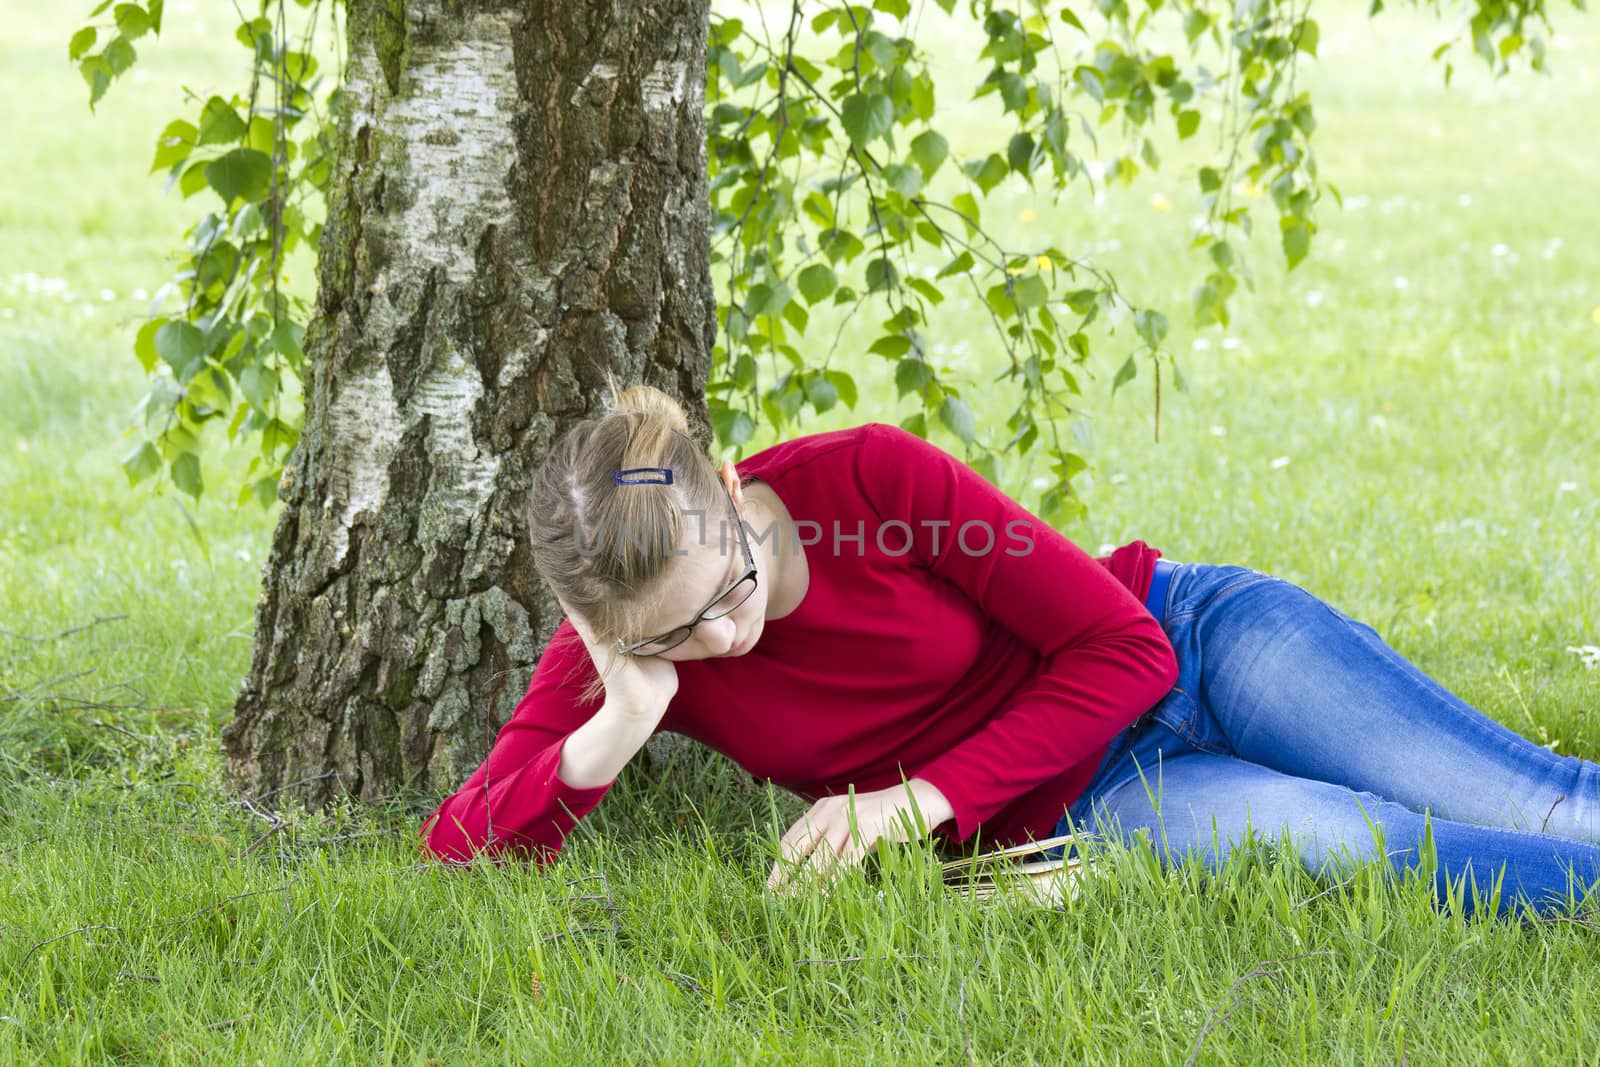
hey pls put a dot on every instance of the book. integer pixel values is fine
(1021, 870)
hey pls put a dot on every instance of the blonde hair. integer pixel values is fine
(603, 547)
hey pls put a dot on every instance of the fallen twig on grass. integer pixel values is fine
(68, 632)
(155, 926)
(1234, 1000)
(858, 959)
(146, 738)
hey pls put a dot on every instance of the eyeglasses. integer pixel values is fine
(726, 601)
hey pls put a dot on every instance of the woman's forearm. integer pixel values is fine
(598, 750)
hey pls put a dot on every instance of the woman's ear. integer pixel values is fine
(730, 478)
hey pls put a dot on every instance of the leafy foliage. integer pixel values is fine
(831, 182)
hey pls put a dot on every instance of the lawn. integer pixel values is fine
(1404, 425)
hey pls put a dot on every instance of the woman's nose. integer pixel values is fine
(724, 632)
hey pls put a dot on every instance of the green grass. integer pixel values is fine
(1442, 478)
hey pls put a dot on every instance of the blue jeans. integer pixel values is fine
(1290, 716)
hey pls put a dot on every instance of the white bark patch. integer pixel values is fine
(662, 88)
(445, 147)
(447, 139)
(463, 476)
(363, 431)
(603, 71)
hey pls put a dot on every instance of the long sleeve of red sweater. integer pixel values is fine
(517, 785)
(1104, 659)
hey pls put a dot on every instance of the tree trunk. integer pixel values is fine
(521, 206)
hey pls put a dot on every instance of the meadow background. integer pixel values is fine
(1405, 425)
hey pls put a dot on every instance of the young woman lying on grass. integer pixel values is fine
(860, 608)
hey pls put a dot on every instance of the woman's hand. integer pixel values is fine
(638, 686)
(821, 841)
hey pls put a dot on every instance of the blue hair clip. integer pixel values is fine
(663, 476)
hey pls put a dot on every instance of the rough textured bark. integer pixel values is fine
(522, 205)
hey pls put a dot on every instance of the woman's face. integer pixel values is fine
(711, 562)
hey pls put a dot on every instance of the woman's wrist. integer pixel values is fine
(934, 805)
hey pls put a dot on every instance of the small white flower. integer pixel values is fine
(1230, 343)
(107, 295)
(1314, 298)
(1280, 463)
(1200, 344)
(1400, 281)
(140, 294)
(242, 556)
(1499, 250)
(1118, 478)
(1105, 550)
(1219, 431)
(1588, 655)
(1355, 203)
(1567, 487)
(1465, 200)
(1041, 482)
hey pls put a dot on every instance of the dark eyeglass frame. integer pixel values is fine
(750, 574)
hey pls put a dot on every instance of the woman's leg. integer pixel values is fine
(1277, 677)
(1195, 802)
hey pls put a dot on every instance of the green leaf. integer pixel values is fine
(1019, 153)
(186, 474)
(1125, 375)
(141, 463)
(1089, 80)
(120, 55)
(903, 179)
(732, 425)
(962, 263)
(220, 123)
(174, 145)
(132, 22)
(911, 376)
(1151, 325)
(1072, 20)
(929, 149)
(1308, 38)
(867, 116)
(180, 344)
(155, 8)
(822, 394)
(898, 8)
(144, 344)
(817, 282)
(967, 205)
(81, 42)
(916, 424)
(881, 275)
(929, 291)
(242, 173)
(1030, 291)
(266, 489)
(1188, 123)
(97, 75)
(988, 172)
(955, 414)
(260, 386)
(891, 347)
(1210, 180)
(193, 179)
(844, 385)
(1296, 241)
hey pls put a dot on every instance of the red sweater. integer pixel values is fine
(999, 676)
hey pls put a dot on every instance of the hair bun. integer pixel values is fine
(648, 400)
